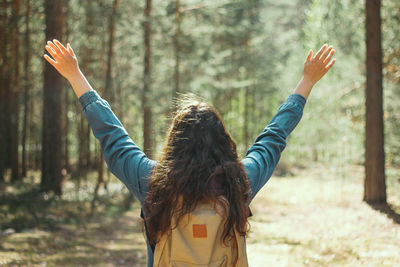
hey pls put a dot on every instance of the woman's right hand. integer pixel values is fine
(63, 59)
(314, 69)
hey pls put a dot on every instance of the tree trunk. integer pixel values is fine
(110, 50)
(252, 9)
(4, 89)
(374, 186)
(52, 93)
(177, 47)
(107, 88)
(14, 94)
(246, 118)
(27, 84)
(67, 103)
(83, 128)
(147, 146)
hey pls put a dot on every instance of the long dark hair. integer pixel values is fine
(199, 162)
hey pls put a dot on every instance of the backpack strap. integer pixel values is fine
(235, 247)
(160, 246)
(153, 247)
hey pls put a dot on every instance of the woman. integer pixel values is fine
(199, 160)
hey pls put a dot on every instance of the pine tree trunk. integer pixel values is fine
(147, 147)
(52, 93)
(14, 94)
(27, 84)
(31, 135)
(67, 103)
(246, 118)
(177, 46)
(107, 86)
(4, 86)
(66, 157)
(374, 186)
(83, 128)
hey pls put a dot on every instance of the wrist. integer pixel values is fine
(306, 81)
(76, 75)
(79, 83)
(304, 87)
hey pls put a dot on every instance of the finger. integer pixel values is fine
(326, 53)
(321, 50)
(50, 60)
(70, 50)
(330, 64)
(328, 58)
(60, 46)
(51, 51)
(310, 55)
(55, 48)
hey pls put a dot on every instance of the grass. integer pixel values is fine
(313, 218)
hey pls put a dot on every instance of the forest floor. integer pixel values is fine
(313, 218)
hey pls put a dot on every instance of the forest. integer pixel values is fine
(338, 178)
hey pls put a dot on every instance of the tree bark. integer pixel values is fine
(246, 118)
(110, 50)
(83, 127)
(27, 84)
(252, 11)
(52, 93)
(177, 46)
(107, 88)
(4, 88)
(147, 146)
(374, 186)
(14, 94)
(67, 103)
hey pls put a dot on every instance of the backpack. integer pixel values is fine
(196, 242)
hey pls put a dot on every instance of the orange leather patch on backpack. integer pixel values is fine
(199, 230)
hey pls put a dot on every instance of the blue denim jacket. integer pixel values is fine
(129, 164)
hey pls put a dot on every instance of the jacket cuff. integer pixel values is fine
(298, 99)
(88, 97)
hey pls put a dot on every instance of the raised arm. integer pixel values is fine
(264, 154)
(124, 158)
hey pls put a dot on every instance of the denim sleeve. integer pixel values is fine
(123, 157)
(264, 154)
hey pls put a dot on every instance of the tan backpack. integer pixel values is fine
(196, 242)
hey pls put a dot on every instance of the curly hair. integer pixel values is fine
(199, 162)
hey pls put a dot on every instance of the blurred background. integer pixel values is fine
(60, 206)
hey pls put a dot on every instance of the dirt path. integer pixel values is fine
(311, 219)
(114, 241)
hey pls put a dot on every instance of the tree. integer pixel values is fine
(52, 97)
(26, 85)
(66, 106)
(4, 88)
(87, 60)
(14, 93)
(177, 47)
(374, 185)
(107, 88)
(147, 147)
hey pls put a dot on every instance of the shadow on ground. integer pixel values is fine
(389, 210)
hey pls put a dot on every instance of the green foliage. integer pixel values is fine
(391, 52)
(332, 127)
(243, 56)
